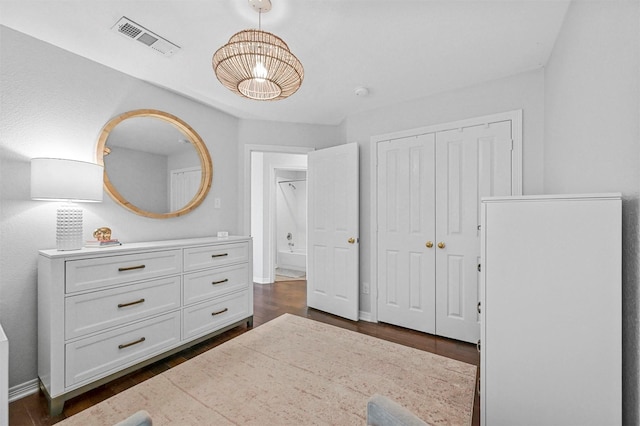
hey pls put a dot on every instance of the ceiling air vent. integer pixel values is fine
(131, 30)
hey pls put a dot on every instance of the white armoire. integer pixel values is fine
(551, 310)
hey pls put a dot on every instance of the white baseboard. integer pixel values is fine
(365, 316)
(4, 378)
(25, 389)
(261, 280)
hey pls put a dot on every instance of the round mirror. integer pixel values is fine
(155, 164)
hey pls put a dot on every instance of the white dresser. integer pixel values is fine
(103, 312)
(551, 311)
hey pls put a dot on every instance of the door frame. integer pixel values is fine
(245, 207)
(514, 116)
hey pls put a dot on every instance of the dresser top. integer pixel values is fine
(141, 246)
(547, 197)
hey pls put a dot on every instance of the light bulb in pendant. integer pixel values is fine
(259, 72)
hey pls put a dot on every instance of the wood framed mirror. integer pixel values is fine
(155, 164)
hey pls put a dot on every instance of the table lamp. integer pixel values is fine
(56, 179)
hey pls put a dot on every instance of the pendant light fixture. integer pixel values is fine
(257, 64)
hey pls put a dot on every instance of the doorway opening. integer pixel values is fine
(276, 217)
(291, 224)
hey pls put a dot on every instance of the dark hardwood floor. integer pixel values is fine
(270, 301)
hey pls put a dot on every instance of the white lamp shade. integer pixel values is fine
(56, 179)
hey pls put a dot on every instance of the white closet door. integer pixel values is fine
(406, 216)
(471, 163)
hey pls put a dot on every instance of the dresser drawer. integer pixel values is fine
(203, 285)
(91, 312)
(215, 255)
(105, 353)
(206, 317)
(105, 271)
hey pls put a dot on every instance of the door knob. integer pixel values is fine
(441, 245)
(429, 244)
(351, 240)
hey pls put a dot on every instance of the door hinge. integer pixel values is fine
(479, 267)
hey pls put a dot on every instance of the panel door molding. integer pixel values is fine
(406, 217)
(332, 230)
(470, 159)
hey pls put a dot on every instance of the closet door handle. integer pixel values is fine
(429, 244)
(123, 305)
(220, 282)
(220, 255)
(219, 312)
(126, 345)
(441, 245)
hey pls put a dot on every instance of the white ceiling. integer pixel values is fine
(398, 49)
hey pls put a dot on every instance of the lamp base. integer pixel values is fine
(69, 228)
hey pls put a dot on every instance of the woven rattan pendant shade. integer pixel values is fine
(258, 65)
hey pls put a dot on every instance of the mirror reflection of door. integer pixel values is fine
(183, 185)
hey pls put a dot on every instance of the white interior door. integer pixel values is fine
(471, 163)
(333, 238)
(406, 230)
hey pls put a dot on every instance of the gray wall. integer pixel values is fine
(524, 91)
(592, 140)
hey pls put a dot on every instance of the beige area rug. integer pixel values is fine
(296, 371)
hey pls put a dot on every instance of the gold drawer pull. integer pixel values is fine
(220, 255)
(126, 345)
(219, 312)
(123, 305)
(220, 282)
(131, 268)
